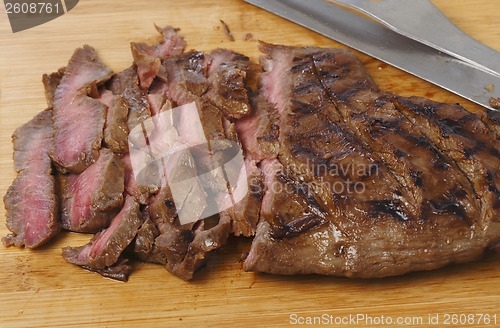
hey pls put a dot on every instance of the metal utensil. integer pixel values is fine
(448, 72)
(421, 21)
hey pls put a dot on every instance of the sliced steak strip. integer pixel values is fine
(467, 140)
(115, 129)
(203, 242)
(146, 184)
(126, 85)
(182, 248)
(78, 119)
(436, 183)
(368, 231)
(259, 131)
(104, 250)
(243, 204)
(227, 77)
(30, 202)
(90, 198)
(147, 57)
(50, 83)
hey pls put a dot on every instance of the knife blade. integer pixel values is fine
(377, 41)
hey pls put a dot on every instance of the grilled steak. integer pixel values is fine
(118, 271)
(78, 119)
(144, 245)
(90, 198)
(104, 250)
(435, 183)
(30, 202)
(332, 118)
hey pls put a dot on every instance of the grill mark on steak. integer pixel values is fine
(374, 119)
(30, 202)
(466, 139)
(312, 140)
(105, 248)
(147, 57)
(78, 119)
(90, 198)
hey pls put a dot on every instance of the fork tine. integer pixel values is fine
(421, 21)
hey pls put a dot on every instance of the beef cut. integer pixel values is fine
(147, 57)
(78, 119)
(104, 250)
(116, 128)
(417, 210)
(31, 202)
(90, 199)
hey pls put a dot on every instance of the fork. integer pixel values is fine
(423, 22)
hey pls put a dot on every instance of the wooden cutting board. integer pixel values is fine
(39, 289)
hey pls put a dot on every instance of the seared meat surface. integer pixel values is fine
(423, 211)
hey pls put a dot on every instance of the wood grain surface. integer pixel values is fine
(39, 289)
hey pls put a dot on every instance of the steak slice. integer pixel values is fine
(145, 185)
(126, 85)
(90, 198)
(437, 185)
(468, 141)
(144, 245)
(369, 230)
(243, 204)
(147, 57)
(104, 250)
(259, 131)
(181, 248)
(115, 129)
(78, 119)
(50, 83)
(30, 202)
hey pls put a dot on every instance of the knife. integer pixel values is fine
(448, 72)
